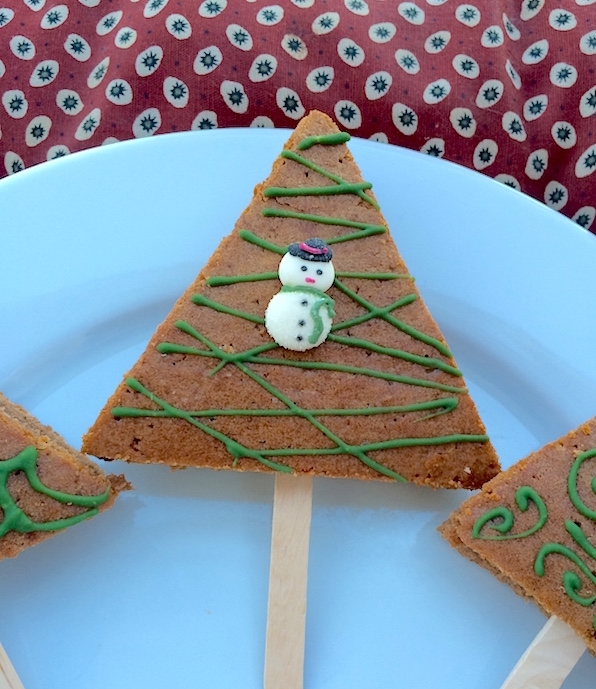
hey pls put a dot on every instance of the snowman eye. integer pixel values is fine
(303, 268)
(319, 272)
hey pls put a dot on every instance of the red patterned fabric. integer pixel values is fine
(506, 87)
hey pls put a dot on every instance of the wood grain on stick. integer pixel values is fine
(8, 676)
(286, 615)
(548, 659)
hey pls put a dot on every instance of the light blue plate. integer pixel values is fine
(169, 588)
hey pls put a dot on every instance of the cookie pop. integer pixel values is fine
(380, 398)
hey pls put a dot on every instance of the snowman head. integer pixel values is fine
(307, 264)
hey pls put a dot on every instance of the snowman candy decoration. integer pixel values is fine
(299, 316)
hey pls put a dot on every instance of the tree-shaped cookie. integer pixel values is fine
(379, 396)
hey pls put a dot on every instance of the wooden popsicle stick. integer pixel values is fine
(8, 676)
(288, 574)
(548, 660)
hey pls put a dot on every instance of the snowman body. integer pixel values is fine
(299, 316)
(298, 319)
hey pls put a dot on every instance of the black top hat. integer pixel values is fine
(314, 249)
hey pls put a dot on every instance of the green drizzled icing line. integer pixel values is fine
(236, 450)
(16, 520)
(501, 518)
(253, 356)
(427, 362)
(373, 276)
(322, 300)
(324, 140)
(383, 312)
(441, 406)
(572, 484)
(337, 190)
(221, 280)
(202, 300)
(325, 220)
(342, 448)
(252, 238)
(341, 186)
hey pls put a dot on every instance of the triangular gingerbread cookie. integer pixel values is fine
(371, 389)
(45, 485)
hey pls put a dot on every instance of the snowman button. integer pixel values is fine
(306, 272)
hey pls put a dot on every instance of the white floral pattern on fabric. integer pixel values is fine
(38, 130)
(119, 92)
(146, 123)
(535, 107)
(434, 147)
(234, 95)
(426, 74)
(466, 66)
(348, 114)
(148, 61)
(404, 118)
(382, 33)
(107, 23)
(270, 15)
(411, 13)
(469, 15)
(320, 79)
(325, 23)
(351, 53)
(54, 17)
(98, 73)
(69, 102)
(436, 91)
(586, 163)
(288, 101)
(537, 163)
(564, 134)
(206, 119)
(377, 85)
(407, 61)
(462, 120)
(555, 195)
(15, 103)
(508, 181)
(178, 26)
(513, 125)
(437, 42)
(530, 8)
(536, 52)
(485, 153)
(263, 67)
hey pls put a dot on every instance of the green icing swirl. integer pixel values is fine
(250, 360)
(501, 519)
(14, 517)
(572, 484)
